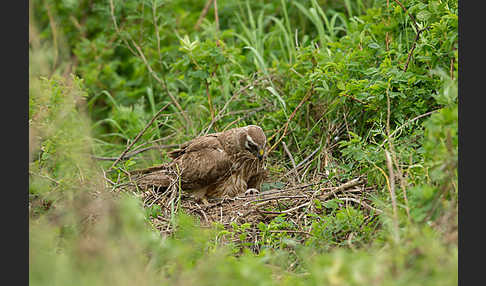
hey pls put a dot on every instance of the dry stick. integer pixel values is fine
(354, 98)
(275, 198)
(117, 29)
(413, 48)
(347, 185)
(306, 97)
(133, 153)
(406, 123)
(52, 23)
(402, 185)
(156, 29)
(294, 169)
(387, 39)
(303, 161)
(210, 102)
(451, 69)
(108, 180)
(417, 30)
(220, 113)
(289, 231)
(139, 135)
(153, 142)
(266, 193)
(394, 157)
(410, 15)
(45, 177)
(216, 17)
(295, 208)
(392, 192)
(202, 211)
(248, 114)
(388, 113)
(142, 56)
(162, 82)
(203, 14)
(362, 203)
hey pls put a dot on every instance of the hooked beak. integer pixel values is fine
(260, 154)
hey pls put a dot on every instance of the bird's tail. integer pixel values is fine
(149, 170)
(157, 176)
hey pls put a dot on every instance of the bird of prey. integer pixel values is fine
(224, 164)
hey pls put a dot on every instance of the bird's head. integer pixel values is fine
(255, 141)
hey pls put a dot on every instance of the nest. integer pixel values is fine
(293, 203)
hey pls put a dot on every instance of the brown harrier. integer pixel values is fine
(215, 165)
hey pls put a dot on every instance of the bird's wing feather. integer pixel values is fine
(203, 162)
(194, 145)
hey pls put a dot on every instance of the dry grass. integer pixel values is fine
(295, 203)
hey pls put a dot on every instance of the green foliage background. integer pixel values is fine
(358, 78)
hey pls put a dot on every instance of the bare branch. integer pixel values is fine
(294, 169)
(410, 15)
(285, 127)
(405, 124)
(216, 17)
(378, 211)
(138, 136)
(220, 113)
(392, 192)
(412, 49)
(203, 14)
(131, 154)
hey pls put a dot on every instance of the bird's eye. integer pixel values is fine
(250, 146)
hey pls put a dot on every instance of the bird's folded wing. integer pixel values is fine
(208, 141)
(203, 164)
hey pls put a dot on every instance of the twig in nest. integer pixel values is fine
(275, 198)
(378, 211)
(45, 177)
(138, 136)
(303, 161)
(296, 208)
(294, 169)
(202, 211)
(106, 178)
(290, 231)
(354, 182)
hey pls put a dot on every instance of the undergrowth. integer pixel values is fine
(353, 88)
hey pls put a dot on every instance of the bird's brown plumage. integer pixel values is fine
(216, 165)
